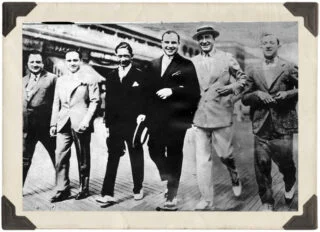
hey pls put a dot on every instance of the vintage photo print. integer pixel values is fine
(219, 102)
(143, 116)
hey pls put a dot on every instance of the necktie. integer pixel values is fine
(270, 61)
(32, 83)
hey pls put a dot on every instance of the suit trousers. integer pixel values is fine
(30, 140)
(118, 135)
(65, 138)
(279, 149)
(165, 149)
(207, 140)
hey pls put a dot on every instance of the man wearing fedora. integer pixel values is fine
(125, 106)
(213, 118)
(173, 96)
(272, 94)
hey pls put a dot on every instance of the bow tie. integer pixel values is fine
(269, 61)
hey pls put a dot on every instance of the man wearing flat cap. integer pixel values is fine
(213, 118)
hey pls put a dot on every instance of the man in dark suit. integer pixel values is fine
(125, 103)
(75, 102)
(173, 96)
(272, 95)
(37, 104)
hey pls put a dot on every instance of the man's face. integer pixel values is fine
(206, 42)
(124, 57)
(73, 61)
(270, 46)
(170, 44)
(35, 64)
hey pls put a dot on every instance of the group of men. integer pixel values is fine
(172, 95)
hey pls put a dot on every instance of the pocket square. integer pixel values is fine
(135, 84)
(177, 73)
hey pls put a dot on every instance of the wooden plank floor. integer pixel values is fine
(39, 186)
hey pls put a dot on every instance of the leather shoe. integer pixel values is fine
(60, 196)
(82, 195)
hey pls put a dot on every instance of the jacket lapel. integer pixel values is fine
(261, 78)
(157, 66)
(279, 70)
(75, 81)
(127, 80)
(26, 80)
(170, 69)
(74, 84)
(41, 80)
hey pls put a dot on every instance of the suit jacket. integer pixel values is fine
(213, 72)
(37, 109)
(177, 111)
(283, 114)
(76, 99)
(125, 100)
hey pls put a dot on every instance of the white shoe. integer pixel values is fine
(204, 205)
(138, 196)
(237, 189)
(105, 199)
(170, 205)
(290, 194)
(267, 207)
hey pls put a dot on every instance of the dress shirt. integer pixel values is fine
(32, 83)
(269, 70)
(166, 60)
(123, 71)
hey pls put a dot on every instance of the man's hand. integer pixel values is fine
(266, 98)
(281, 95)
(140, 118)
(83, 127)
(164, 93)
(53, 131)
(224, 91)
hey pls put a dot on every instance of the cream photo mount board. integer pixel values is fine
(15, 14)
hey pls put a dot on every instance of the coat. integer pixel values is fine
(177, 111)
(283, 113)
(216, 111)
(124, 100)
(76, 99)
(37, 109)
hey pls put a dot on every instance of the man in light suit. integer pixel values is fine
(37, 105)
(173, 96)
(213, 118)
(75, 102)
(272, 94)
(125, 103)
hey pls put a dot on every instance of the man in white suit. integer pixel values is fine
(75, 102)
(213, 118)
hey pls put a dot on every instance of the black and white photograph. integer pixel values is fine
(198, 116)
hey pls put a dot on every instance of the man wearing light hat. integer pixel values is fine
(213, 118)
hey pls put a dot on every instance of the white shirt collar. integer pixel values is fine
(123, 71)
(35, 76)
(209, 54)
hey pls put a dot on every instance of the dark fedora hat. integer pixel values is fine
(141, 134)
(206, 30)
